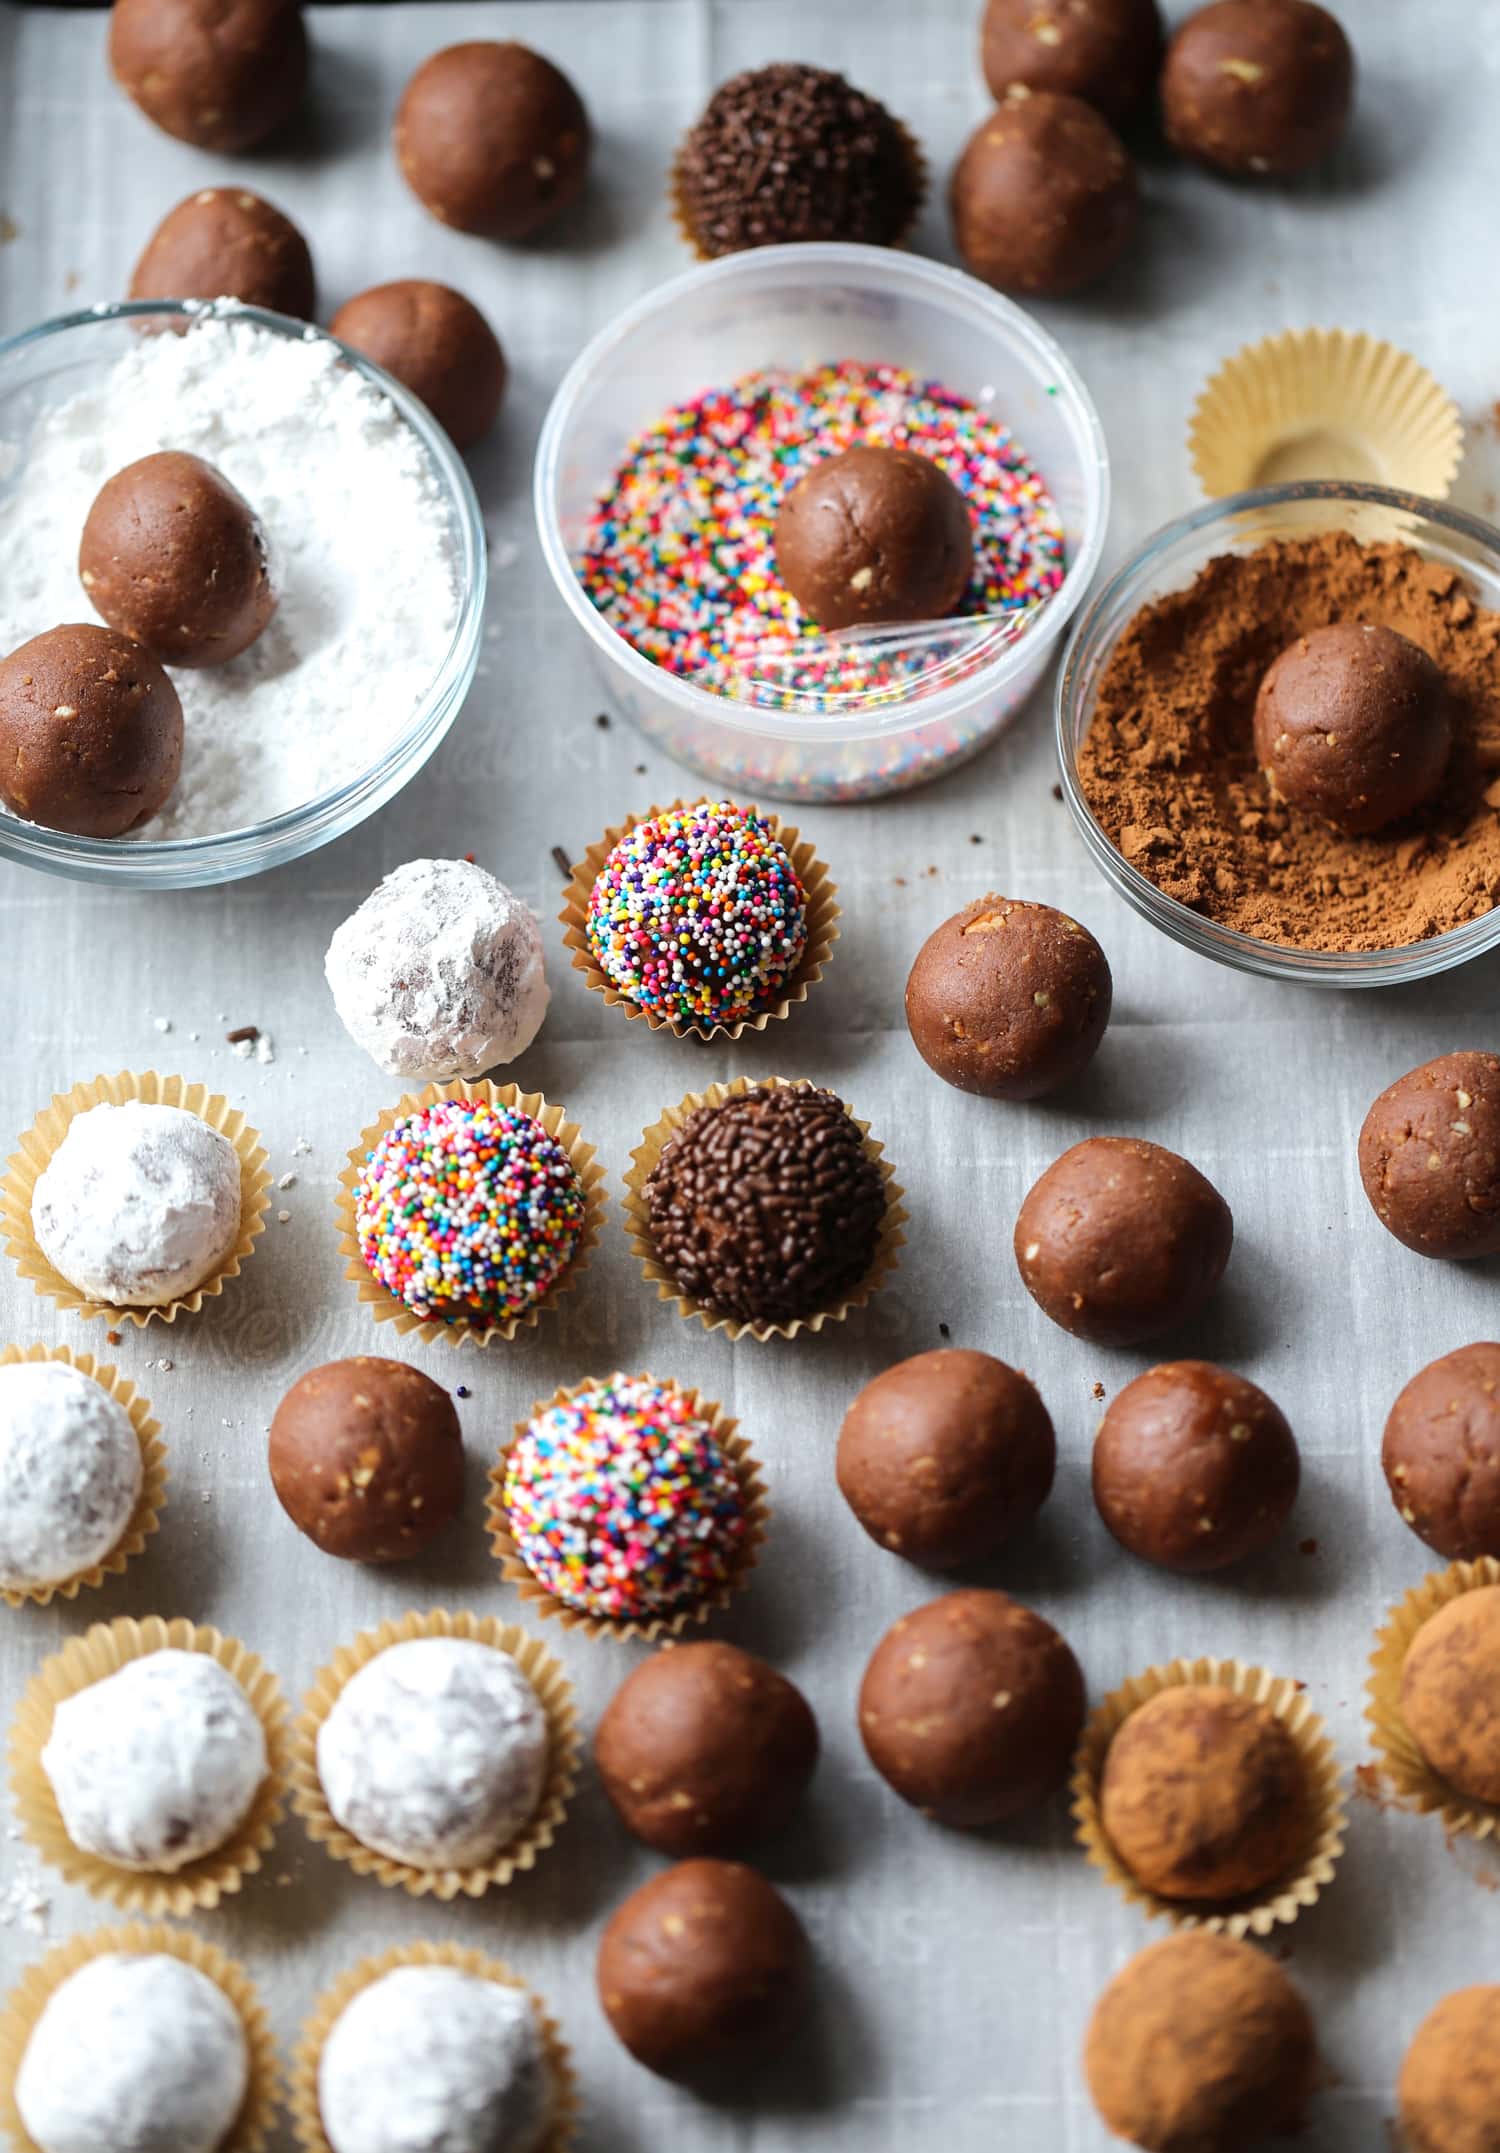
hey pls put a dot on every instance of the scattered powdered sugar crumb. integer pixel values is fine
(265, 1048)
(360, 541)
(25, 1901)
(287, 1181)
(301, 1148)
(163, 1024)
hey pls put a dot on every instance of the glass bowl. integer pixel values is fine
(799, 306)
(1167, 562)
(44, 365)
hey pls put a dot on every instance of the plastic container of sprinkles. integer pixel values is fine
(747, 720)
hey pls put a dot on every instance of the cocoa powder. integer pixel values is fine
(1168, 765)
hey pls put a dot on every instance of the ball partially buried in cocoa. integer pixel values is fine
(437, 344)
(367, 1459)
(1105, 51)
(173, 555)
(1258, 88)
(1352, 723)
(1429, 1157)
(1044, 198)
(1008, 999)
(90, 731)
(874, 534)
(226, 243)
(221, 74)
(492, 138)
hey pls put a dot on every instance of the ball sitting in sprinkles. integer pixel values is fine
(699, 916)
(622, 1502)
(468, 1210)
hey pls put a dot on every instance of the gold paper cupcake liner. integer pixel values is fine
(889, 1242)
(199, 1885)
(307, 2118)
(25, 1167)
(757, 1511)
(1406, 1772)
(822, 915)
(385, 1306)
(1324, 403)
(555, 1692)
(916, 160)
(27, 2001)
(1258, 1913)
(149, 1504)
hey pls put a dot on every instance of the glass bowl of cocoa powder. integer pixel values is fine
(1154, 714)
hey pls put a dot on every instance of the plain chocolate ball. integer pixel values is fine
(946, 1456)
(1121, 1240)
(1044, 198)
(700, 1966)
(1441, 1453)
(1429, 1156)
(90, 731)
(1449, 1681)
(1008, 999)
(874, 534)
(492, 139)
(367, 1459)
(1257, 87)
(705, 1749)
(226, 243)
(1105, 51)
(221, 74)
(971, 1708)
(1194, 1468)
(1203, 1796)
(1352, 723)
(172, 555)
(437, 344)
(1449, 2087)
(1200, 2045)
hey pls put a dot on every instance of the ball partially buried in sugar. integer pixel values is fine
(221, 74)
(173, 555)
(1352, 723)
(437, 344)
(90, 731)
(492, 138)
(1008, 999)
(1257, 88)
(1045, 197)
(874, 534)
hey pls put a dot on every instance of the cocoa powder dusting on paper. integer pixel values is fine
(1168, 765)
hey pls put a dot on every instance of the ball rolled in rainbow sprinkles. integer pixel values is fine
(622, 1502)
(468, 1210)
(699, 915)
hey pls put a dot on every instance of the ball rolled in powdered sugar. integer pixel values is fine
(140, 2053)
(435, 1752)
(431, 2056)
(70, 1474)
(440, 973)
(158, 1764)
(138, 1204)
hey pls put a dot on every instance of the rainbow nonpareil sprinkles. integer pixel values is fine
(679, 555)
(698, 913)
(466, 1209)
(622, 1503)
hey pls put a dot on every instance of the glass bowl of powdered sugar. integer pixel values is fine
(376, 550)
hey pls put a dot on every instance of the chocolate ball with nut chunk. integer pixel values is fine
(1044, 198)
(367, 1459)
(226, 243)
(1429, 1157)
(1441, 1453)
(90, 731)
(1352, 724)
(1105, 51)
(221, 74)
(492, 138)
(437, 344)
(874, 534)
(1008, 999)
(173, 555)
(1257, 88)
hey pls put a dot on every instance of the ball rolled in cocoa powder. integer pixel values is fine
(492, 138)
(1044, 198)
(1449, 1682)
(874, 534)
(1121, 1240)
(90, 731)
(437, 344)
(1429, 1157)
(1353, 724)
(1204, 1797)
(1200, 2042)
(173, 555)
(1194, 1468)
(221, 74)
(1449, 2087)
(1257, 88)
(946, 1456)
(1008, 999)
(224, 242)
(367, 1459)
(701, 1965)
(1105, 51)
(1441, 1453)
(970, 1709)
(705, 1749)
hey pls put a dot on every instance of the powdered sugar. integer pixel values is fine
(361, 550)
